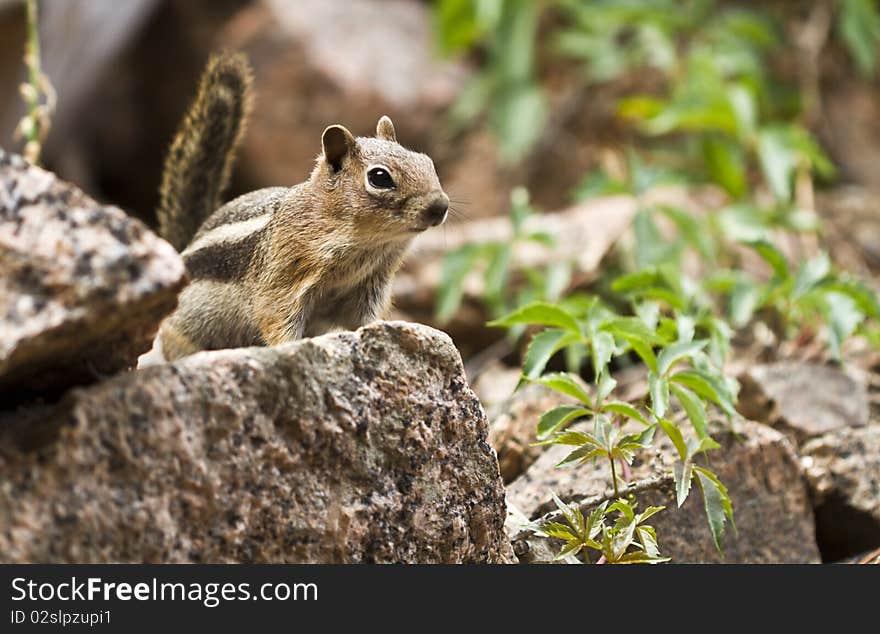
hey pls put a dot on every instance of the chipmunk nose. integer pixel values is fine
(435, 212)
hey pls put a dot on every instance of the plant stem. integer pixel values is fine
(33, 132)
(614, 477)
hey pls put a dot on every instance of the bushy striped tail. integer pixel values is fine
(199, 162)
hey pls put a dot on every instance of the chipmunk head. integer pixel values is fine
(385, 189)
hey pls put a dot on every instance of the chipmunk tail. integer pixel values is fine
(198, 165)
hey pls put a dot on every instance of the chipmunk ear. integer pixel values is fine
(338, 143)
(385, 129)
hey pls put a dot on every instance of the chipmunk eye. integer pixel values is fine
(380, 178)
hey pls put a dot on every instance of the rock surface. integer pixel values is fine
(843, 469)
(771, 504)
(318, 62)
(363, 446)
(803, 399)
(82, 286)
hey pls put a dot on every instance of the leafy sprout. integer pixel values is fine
(625, 540)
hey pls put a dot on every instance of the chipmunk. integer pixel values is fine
(282, 263)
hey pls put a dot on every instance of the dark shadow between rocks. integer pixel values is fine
(843, 531)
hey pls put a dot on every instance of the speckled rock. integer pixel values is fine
(771, 503)
(83, 287)
(803, 399)
(843, 470)
(363, 446)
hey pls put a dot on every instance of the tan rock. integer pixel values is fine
(363, 446)
(803, 399)
(82, 286)
(843, 470)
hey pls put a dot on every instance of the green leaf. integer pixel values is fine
(843, 317)
(744, 300)
(582, 454)
(571, 513)
(649, 312)
(658, 388)
(865, 297)
(697, 446)
(605, 432)
(557, 530)
(626, 410)
(624, 508)
(557, 277)
(707, 387)
(778, 161)
(859, 27)
(457, 25)
(772, 256)
(717, 503)
(602, 347)
(648, 513)
(674, 353)
(639, 557)
(571, 548)
(543, 346)
(683, 474)
(573, 438)
(811, 273)
(456, 266)
(596, 521)
(631, 327)
(674, 434)
(645, 352)
(726, 163)
(742, 102)
(554, 419)
(694, 408)
(642, 440)
(566, 384)
(518, 119)
(604, 386)
(540, 313)
(648, 539)
(622, 538)
(685, 326)
(635, 332)
(495, 279)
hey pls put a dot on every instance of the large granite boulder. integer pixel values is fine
(363, 446)
(83, 287)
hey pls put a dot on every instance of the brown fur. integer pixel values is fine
(278, 264)
(199, 161)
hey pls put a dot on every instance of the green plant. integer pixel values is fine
(495, 260)
(677, 368)
(627, 541)
(718, 117)
(507, 88)
(37, 92)
(806, 297)
(859, 27)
